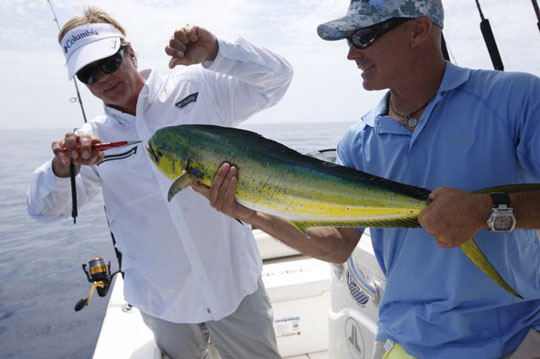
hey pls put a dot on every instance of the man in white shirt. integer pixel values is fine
(189, 269)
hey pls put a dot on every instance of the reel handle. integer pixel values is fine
(86, 301)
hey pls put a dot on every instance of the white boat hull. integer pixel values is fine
(298, 288)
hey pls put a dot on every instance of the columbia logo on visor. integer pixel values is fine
(74, 38)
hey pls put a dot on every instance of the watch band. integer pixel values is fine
(499, 198)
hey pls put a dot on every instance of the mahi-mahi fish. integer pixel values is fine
(307, 191)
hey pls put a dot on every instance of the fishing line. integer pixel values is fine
(55, 19)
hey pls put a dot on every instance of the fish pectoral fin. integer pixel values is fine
(301, 226)
(185, 180)
(471, 250)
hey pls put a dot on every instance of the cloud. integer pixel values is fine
(35, 91)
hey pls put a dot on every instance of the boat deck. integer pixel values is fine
(297, 287)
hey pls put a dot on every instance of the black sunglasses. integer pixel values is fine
(363, 38)
(89, 74)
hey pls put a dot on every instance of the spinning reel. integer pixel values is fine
(99, 274)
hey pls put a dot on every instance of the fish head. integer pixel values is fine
(169, 152)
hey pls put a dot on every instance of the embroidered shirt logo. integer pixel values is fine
(460, 139)
(187, 100)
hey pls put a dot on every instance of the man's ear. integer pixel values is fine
(421, 29)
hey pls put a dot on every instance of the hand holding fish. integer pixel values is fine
(330, 244)
(454, 216)
(222, 194)
(191, 45)
(79, 150)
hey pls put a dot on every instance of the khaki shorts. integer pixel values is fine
(529, 347)
(246, 333)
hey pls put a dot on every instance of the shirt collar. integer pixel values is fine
(380, 110)
(453, 77)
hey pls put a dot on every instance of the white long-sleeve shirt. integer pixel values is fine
(183, 261)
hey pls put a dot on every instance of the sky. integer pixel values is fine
(36, 92)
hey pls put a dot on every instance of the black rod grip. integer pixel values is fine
(489, 39)
(73, 192)
(537, 12)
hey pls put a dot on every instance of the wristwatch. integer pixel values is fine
(502, 217)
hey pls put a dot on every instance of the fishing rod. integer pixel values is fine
(98, 273)
(71, 165)
(537, 11)
(489, 39)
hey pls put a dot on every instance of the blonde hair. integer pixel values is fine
(91, 15)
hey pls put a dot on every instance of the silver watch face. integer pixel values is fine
(503, 222)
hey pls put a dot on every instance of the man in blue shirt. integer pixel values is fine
(452, 130)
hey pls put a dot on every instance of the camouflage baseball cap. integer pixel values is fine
(364, 13)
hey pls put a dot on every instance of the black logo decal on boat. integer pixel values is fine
(186, 101)
(119, 156)
(354, 338)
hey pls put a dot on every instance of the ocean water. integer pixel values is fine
(41, 278)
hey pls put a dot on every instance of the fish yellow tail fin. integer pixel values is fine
(474, 253)
(471, 250)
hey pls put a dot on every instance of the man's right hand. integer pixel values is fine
(191, 45)
(76, 148)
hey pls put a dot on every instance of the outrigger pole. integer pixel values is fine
(537, 11)
(489, 39)
(444, 48)
(71, 165)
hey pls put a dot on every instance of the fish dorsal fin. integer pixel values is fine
(185, 180)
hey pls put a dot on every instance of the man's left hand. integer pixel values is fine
(454, 216)
(191, 45)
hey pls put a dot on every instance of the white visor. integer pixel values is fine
(87, 43)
